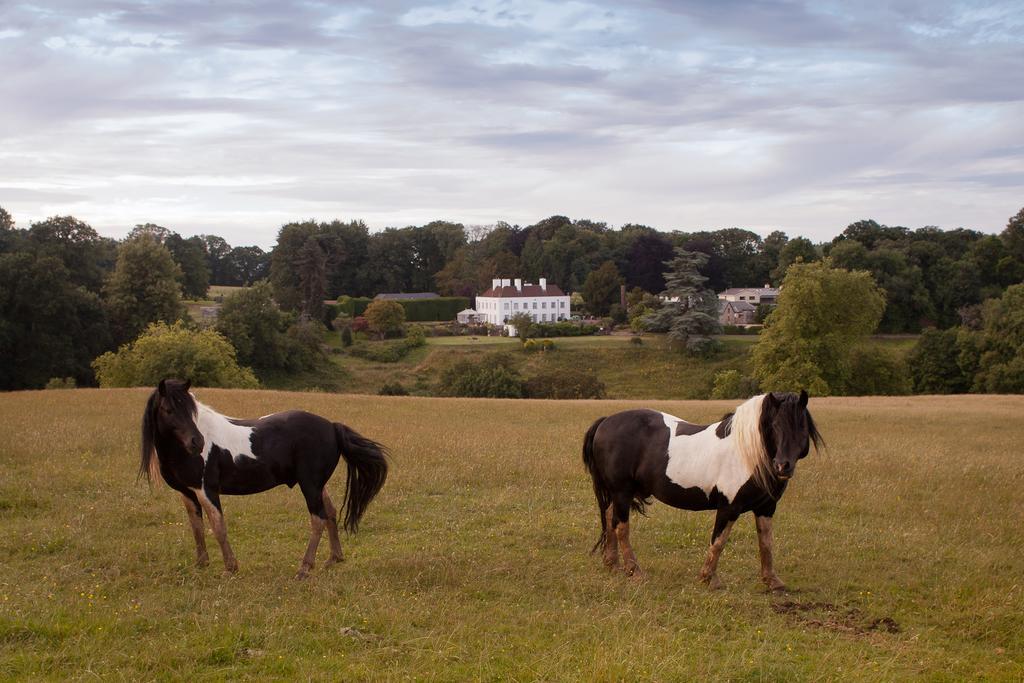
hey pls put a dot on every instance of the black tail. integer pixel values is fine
(604, 496)
(367, 469)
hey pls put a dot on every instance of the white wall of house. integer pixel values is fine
(542, 308)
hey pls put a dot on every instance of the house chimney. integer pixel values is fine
(495, 283)
(767, 285)
(519, 284)
(543, 284)
(506, 282)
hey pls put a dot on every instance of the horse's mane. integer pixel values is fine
(746, 432)
(148, 465)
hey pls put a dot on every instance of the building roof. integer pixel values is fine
(527, 290)
(761, 291)
(403, 296)
(467, 311)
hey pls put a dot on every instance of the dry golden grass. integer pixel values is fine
(902, 545)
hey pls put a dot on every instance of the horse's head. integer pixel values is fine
(173, 411)
(788, 430)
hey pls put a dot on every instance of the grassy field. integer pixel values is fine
(902, 547)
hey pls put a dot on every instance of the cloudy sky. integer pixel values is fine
(236, 117)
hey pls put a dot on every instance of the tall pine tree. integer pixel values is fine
(689, 310)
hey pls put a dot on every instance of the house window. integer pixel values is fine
(543, 304)
(506, 305)
(561, 304)
(534, 305)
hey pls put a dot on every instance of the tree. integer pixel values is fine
(384, 317)
(190, 255)
(601, 288)
(6, 222)
(143, 288)
(217, 250)
(822, 314)
(163, 350)
(87, 256)
(689, 310)
(933, 364)
(994, 356)
(1013, 236)
(521, 322)
(798, 249)
(49, 326)
(245, 265)
(312, 271)
(493, 376)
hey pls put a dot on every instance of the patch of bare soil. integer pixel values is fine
(834, 618)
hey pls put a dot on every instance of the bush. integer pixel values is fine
(737, 329)
(380, 352)
(636, 341)
(359, 324)
(415, 336)
(564, 384)
(933, 364)
(429, 310)
(385, 317)
(535, 345)
(493, 376)
(877, 372)
(393, 389)
(346, 336)
(163, 350)
(353, 306)
(560, 329)
(732, 384)
(62, 383)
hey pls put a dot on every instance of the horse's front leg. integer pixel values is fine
(210, 500)
(195, 520)
(764, 545)
(723, 525)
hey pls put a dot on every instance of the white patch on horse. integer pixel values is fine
(218, 430)
(708, 462)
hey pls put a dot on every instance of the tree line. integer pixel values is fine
(68, 295)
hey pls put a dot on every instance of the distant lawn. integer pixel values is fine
(471, 341)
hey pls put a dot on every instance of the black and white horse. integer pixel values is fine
(202, 454)
(739, 464)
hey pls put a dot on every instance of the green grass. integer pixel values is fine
(902, 546)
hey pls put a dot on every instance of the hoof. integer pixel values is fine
(333, 560)
(231, 568)
(202, 562)
(635, 572)
(610, 563)
(712, 582)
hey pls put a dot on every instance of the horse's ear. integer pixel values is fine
(188, 383)
(803, 398)
(770, 401)
(162, 387)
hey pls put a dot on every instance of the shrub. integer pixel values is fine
(877, 372)
(561, 329)
(415, 336)
(359, 324)
(732, 384)
(163, 350)
(493, 376)
(61, 383)
(346, 336)
(738, 329)
(535, 345)
(392, 389)
(385, 317)
(636, 341)
(380, 352)
(933, 364)
(564, 384)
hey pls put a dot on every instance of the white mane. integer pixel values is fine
(746, 434)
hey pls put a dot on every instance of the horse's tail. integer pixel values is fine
(367, 469)
(604, 496)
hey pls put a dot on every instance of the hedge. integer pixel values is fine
(416, 310)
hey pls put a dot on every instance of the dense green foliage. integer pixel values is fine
(733, 384)
(203, 356)
(822, 314)
(144, 288)
(601, 288)
(493, 376)
(933, 364)
(384, 317)
(264, 336)
(994, 355)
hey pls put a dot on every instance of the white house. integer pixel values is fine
(752, 295)
(543, 302)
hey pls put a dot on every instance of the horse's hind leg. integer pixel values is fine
(611, 541)
(620, 521)
(332, 530)
(317, 522)
(764, 546)
(709, 572)
(195, 520)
